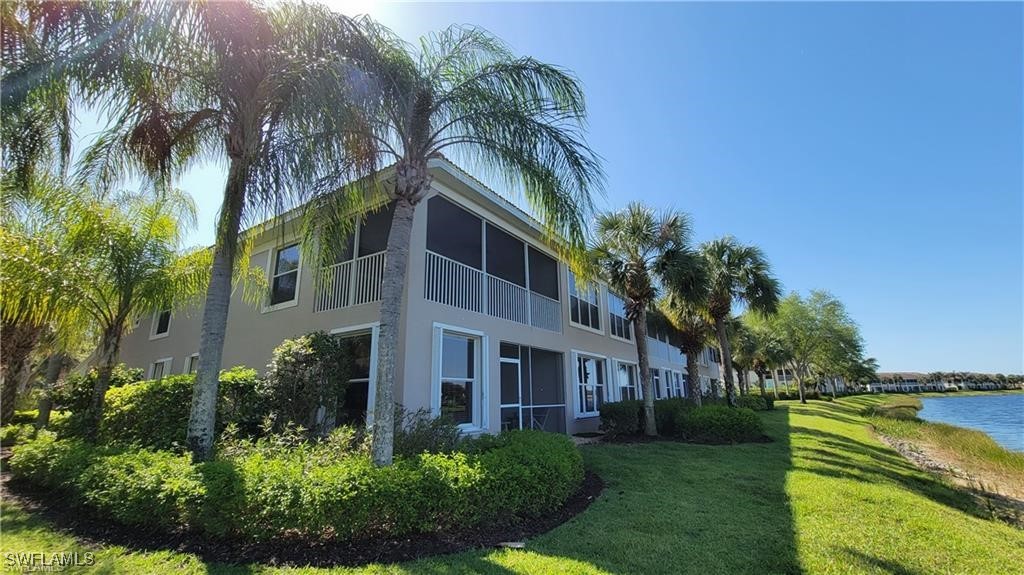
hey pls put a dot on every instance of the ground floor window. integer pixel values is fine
(460, 381)
(656, 381)
(355, 404)
(160, 368)
(589, 371)
(626, 379)
(192, 364)
(675, 384)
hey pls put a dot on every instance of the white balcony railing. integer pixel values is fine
(349, 283)
(453, 283)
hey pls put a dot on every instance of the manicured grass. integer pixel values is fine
(825, 497)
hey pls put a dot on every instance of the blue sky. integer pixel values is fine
(873, 150)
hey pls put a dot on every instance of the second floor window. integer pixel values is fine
(161, 323)
(285, 282)
(583, 306)
(617, 322)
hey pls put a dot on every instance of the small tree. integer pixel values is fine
(306, 382)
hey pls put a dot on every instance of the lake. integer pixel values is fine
(1001, 416)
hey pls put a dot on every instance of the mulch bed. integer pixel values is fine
(94, 531)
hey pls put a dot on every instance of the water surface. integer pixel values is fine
(999, 415)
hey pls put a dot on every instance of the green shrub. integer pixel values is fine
(306, 382)
(274, 488)
(154, 413)
(719, 424)
(25, 416)
(621, 418)
(16, 433)
(419, 432)
(754, 402)
(47, 462)
(74, 396)
(666, 412)
(139, 487)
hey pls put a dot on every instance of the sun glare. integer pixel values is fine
(353, 7)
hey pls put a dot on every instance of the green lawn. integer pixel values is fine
(825, 497)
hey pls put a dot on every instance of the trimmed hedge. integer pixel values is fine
(260, 496)
(154, 413)
(754, 402)
(719, 424)
(679, 418)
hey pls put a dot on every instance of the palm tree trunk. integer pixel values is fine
(392, 292)
(723, 346)
(18, 341)
(110, 346)
(640, 329)
(760, 384)
(54, 367)
(203, 414)
(693, 376)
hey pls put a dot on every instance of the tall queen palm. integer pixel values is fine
(637, 251)
(462, 93)
(692, 331)
(737, 273)
(273, 92)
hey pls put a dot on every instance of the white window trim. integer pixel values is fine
(601, 308)
(374, 329)
(629, 324)
(659, 392)
(577, 408)
(156, 320)
(271, 264)
(168, 364)
(615, 362)
(435, 385)
(187, 360)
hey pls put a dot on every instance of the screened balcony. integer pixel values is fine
(356, 277)
(473, 265)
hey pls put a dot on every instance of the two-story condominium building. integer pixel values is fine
(496, 332)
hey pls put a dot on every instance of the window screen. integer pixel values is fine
(453, 232)
(505, 257)
(373, 233)
(543, 274)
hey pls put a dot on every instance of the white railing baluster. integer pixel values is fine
(349, 283)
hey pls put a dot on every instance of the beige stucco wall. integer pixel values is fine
(254, 331)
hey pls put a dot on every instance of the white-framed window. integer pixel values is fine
(284, 277)
(160, 368)
(161, 324)
(590, 388)
(618, 325)
(584, 305)
(460, 378)
(361, 343)
(656, 382)
(627, 381)
(675, 384)
(192, 363)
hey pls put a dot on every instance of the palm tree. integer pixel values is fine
(36, 261)
(273, 92)
(131, 268)
(743, 345)
(741, 274)
(768, 352)
(636, 251)
(462, 92)
(692, 332)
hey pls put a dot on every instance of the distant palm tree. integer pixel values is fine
(743, 345)
(737, 273)
(637, 250)
(692, 331)
(462, 92)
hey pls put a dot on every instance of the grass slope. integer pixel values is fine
(825, 497)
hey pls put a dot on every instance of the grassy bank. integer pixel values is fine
(996, 468)
(824, 497)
